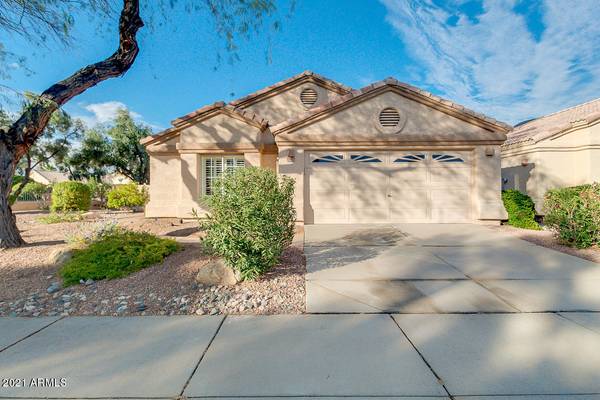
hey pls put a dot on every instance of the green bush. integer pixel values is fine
(251, 219)
(127, 196)
(71, 196)
(58, 217)
(34, 189)
(520, 209)
(99, 191)
(574, 214)
(115, 256)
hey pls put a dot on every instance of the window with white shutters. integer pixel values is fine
(215, 166)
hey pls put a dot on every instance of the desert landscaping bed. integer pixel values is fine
(26, 277)
(546, 238)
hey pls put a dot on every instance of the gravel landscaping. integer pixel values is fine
(547, 239)
(29, 284)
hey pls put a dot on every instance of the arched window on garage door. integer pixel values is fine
(363, 158)
(331, 158)
(446, 158)
(410, 158)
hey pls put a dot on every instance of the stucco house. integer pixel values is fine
(388, 152)
(46, 177)
(557, 150)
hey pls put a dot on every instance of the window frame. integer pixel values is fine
(223, 167)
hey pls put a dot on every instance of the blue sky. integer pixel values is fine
(511, 60)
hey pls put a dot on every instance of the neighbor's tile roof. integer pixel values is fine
(544, 127)
(53, 176)
(388, 82)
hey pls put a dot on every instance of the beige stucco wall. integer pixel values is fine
(568, 159)
(287, 104)
(359, 123)
(176, 163)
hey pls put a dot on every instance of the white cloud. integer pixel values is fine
(494, 64)
(101, 113)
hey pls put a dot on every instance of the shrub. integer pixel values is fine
(58, 217)
(251, 219)
(99, 191)
(520, 209)
(101, 230)
(574, 214)
(35, 189)
(115, 256)
(127, 196)
(70, 196)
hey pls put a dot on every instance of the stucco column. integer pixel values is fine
(488, 184)
(291, 163)
(190, 186)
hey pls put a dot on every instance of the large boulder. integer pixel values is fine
(60, 256)
(216, 272)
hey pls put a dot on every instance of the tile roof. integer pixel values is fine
(274, 87)
(544, 127)
(395, 83)
(53, 176)
(247, 116)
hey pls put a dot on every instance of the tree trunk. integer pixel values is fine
(25, 180)
(29, 127)
(9, 233)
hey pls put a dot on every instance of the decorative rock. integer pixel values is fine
(89, 282)
(54, 287)
(60, 256)
(216, 272)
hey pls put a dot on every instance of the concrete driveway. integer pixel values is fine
(441, 268)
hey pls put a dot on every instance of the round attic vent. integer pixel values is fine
(389, 118)
(308, 97)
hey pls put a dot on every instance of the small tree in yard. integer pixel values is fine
(36, 21)
(251, 219)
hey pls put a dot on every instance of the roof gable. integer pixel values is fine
(303, 77)
(411, 92)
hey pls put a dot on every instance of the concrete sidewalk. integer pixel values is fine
(481, 356)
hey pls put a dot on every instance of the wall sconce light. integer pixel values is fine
(524, 162)
(489, 151)
(291, 156)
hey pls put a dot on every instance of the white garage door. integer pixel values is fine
(399, 186)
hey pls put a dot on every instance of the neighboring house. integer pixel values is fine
(116, 179)
(557, 150)
(388, 152)
(48, 177)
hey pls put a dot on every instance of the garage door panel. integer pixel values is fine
(408, 198)
(368, 199)
(327, 179)
(450, 176)
(413, 175)
(330, 214)
(367, 178)
(328, 198)
(408, 214)
(449, 198)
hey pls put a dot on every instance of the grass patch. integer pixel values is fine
(116, 255)
(58, 217)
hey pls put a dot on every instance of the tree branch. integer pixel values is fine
(26, 130)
